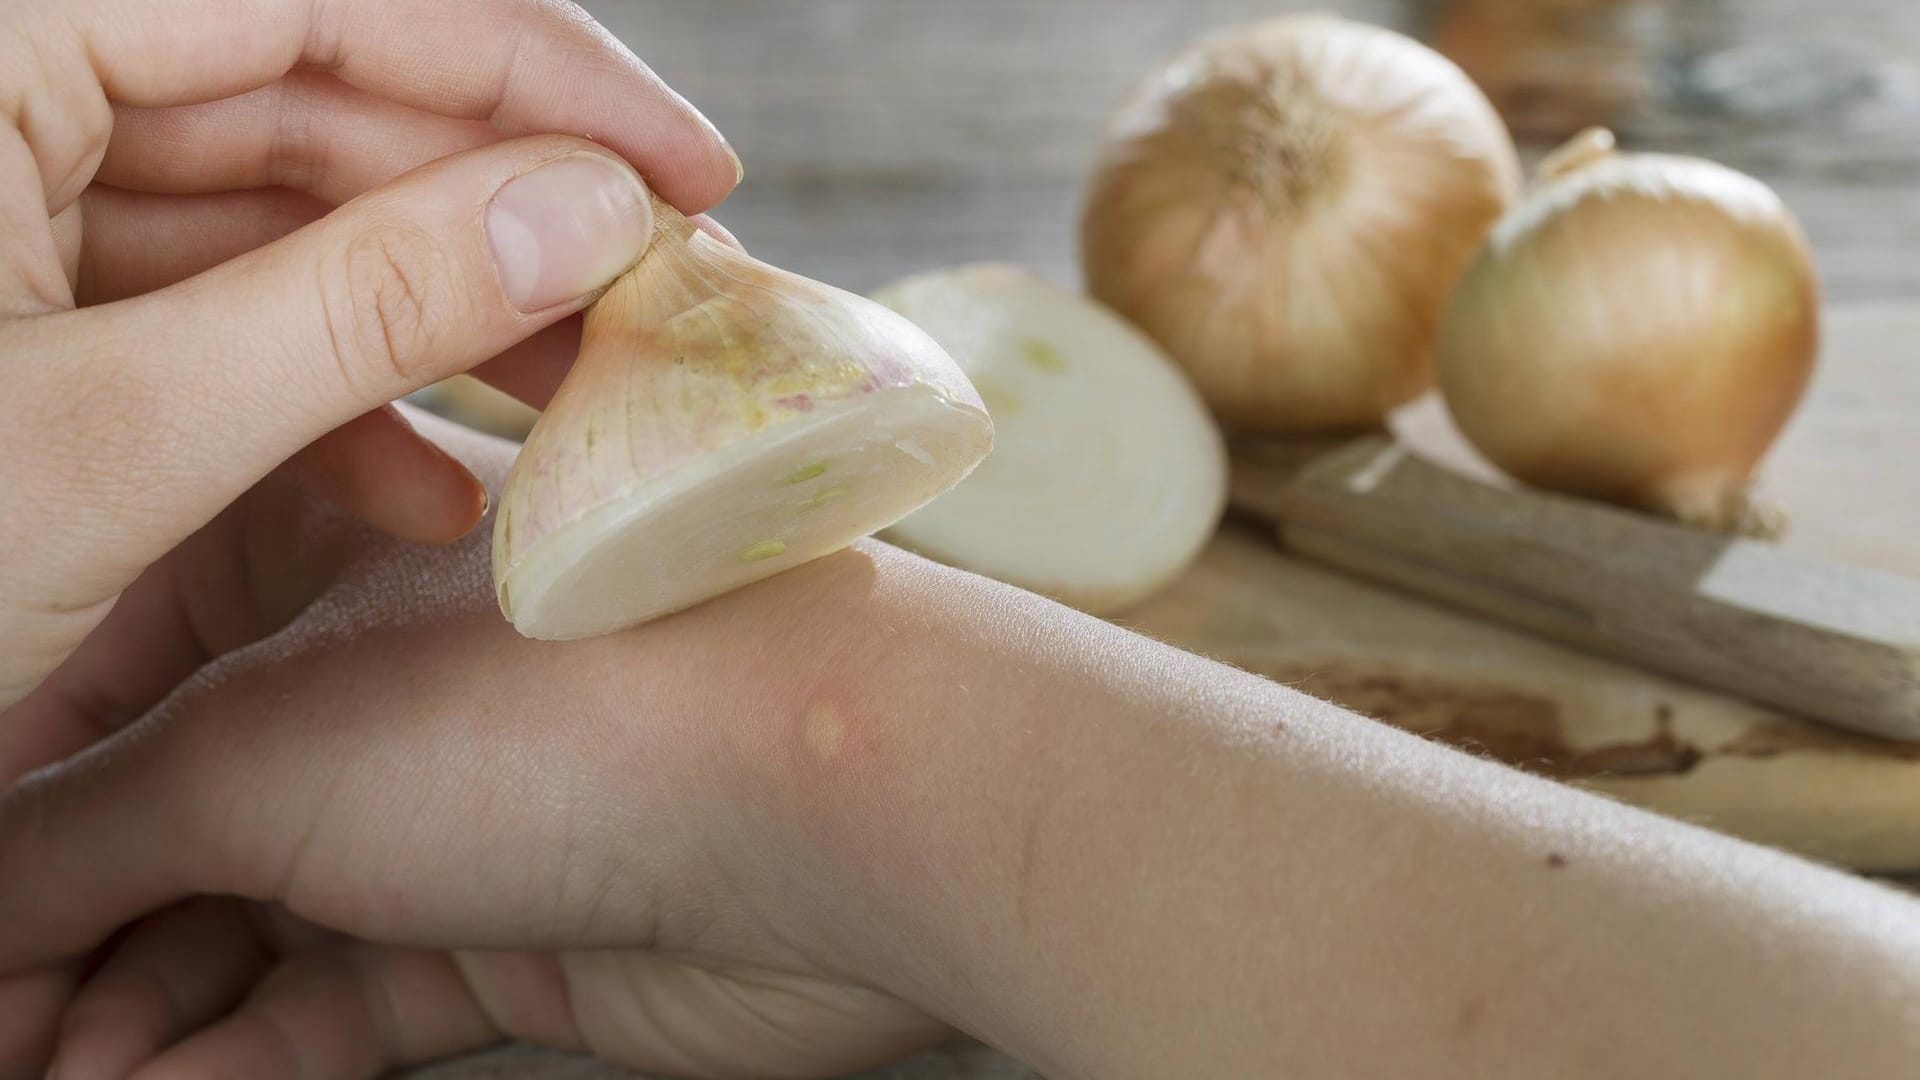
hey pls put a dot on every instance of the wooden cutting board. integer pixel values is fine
(1842, 472)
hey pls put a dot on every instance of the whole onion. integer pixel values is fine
(1639, 330)
(1286, 208)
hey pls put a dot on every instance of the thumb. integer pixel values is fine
(155, 413)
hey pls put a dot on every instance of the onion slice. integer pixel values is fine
(726, 421)
(1108, 476)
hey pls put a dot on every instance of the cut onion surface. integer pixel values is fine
(726, 421)
(1108, 476)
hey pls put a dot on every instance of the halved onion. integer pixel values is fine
(726, 421)
(1107, 476)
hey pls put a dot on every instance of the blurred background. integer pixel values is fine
(887, 136)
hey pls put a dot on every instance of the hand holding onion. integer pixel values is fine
(1638, 330)
(726, 421)
(234, 327)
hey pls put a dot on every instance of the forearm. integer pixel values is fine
(1121, 861)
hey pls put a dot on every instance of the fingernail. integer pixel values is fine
(739, 167)
(739, 170)
(567, 229)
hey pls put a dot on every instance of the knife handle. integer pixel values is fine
(1823, 639)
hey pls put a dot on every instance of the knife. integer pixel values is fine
(1823, 639)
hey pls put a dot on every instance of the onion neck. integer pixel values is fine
(1594, 145)
(670, 226)
(674, 276)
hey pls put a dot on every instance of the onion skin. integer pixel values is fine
(698, 352)
(1639, 331)
(1286, 209)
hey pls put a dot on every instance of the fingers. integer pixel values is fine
(173, 974)
(146, 646)
(309, 132)
(131, 424)
(139, 821)
(216, 793)
(136, 242)
(32, 278)
(232, 583)
(533, 370)
(365, 761)
(523, 66)
(79, 865)
(345, 1013)
(520, 66)
(30, 1007)
(67, 236)
(384, 473)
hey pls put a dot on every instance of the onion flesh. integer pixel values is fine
(1107, 476)
(726, 421)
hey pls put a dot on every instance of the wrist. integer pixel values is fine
(830, 678)
(896, 772)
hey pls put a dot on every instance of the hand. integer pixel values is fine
(173, 147)
(183, 308)
(397, 766)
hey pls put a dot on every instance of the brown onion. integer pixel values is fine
(1287, 206)
(1639, 330)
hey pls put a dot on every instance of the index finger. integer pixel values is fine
(525, 66)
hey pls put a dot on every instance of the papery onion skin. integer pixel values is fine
(1638, 331)
(1286, 208)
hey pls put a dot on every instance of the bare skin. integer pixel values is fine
(826, 820)
(284, 796)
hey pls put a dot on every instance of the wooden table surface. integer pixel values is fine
(887, 136)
